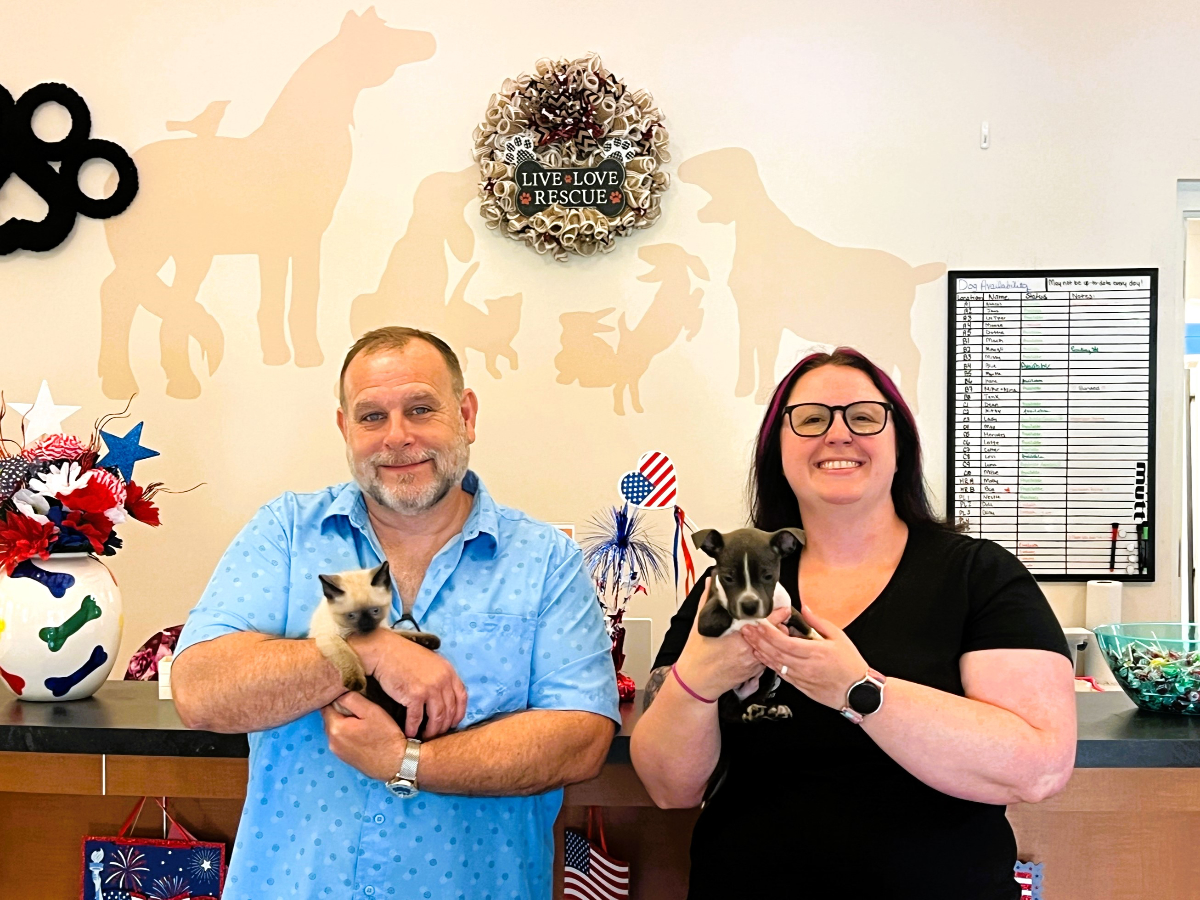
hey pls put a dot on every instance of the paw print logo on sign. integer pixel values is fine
(519, 148)
(24, 154)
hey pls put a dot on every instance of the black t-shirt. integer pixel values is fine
(812, 805)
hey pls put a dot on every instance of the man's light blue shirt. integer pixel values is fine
(519, 620)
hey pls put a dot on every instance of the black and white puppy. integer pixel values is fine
(745, 588)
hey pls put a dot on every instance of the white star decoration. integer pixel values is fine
(43, 416)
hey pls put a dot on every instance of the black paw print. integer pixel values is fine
(27, 156)
(518, 149)
(619, 148)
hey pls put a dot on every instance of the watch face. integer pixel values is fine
(864, 699)
(401, 789)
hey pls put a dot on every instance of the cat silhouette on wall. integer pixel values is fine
(271, 194)
(593, 362)
(786, 277)
(412, 289)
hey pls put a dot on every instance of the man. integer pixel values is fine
(350, 805)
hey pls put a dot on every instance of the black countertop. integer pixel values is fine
(127, 718)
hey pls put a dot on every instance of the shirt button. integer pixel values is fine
(369, 891)
(378, 818)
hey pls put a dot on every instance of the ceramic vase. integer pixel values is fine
(60, 627)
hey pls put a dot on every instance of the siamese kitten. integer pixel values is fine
(358, 602)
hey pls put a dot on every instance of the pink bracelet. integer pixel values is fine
(675, 672)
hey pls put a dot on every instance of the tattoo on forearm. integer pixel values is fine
(653, 685)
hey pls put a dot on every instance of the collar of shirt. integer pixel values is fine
(480, 532)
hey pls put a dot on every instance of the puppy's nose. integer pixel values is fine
(749, 607)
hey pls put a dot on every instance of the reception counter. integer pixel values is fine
(1125, 827)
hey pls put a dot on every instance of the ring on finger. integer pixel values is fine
(783, 672)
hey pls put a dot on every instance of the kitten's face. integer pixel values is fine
(359, 600)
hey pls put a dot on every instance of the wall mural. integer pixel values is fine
(593, 362)
(786, 277)
(271, 194)
(28, 157)
(412, 290)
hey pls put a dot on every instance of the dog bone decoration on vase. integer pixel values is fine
(570, 158)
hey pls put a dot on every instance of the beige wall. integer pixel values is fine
(863, 118)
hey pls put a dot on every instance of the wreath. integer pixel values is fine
(571, 114)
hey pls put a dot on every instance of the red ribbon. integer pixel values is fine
(689, 578)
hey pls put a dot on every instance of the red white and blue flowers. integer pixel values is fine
(59, 495)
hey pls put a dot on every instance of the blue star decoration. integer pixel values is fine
(123, 452)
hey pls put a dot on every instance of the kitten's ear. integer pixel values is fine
(709, 540)
(332, 586)
(382, 576)
(787, 541)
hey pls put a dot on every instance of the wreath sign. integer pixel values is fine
(570, 158)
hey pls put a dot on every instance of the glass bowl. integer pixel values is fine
(1156, 663)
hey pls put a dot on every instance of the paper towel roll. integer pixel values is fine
(1103, 604)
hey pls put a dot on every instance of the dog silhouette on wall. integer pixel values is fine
(271, 194)
(412, 289)
(593, 362)
(786, 277)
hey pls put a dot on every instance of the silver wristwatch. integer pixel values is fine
(404, 783)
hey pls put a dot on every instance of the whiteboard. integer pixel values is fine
(1051, 417)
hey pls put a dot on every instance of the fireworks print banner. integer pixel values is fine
(131, 868)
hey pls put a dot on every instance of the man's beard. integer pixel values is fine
(403, 496)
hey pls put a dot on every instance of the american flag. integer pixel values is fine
(1029, 877)
(655, 488)
(589, 874)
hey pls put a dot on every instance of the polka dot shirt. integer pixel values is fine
(518, 618)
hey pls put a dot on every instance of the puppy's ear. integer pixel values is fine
(787, 541)
(382, 575)
(709, 540)
(332, 586)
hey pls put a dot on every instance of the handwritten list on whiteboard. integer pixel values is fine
(1051, 417)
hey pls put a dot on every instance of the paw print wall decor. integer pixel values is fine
(24, 154)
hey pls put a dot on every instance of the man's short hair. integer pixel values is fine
(397, 337)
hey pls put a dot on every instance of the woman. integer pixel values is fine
(977, 704)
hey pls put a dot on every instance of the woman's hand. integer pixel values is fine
(823, 670)
(712, 666)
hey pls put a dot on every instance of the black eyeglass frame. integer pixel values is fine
(833, 410)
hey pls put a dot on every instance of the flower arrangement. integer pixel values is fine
(619, 554)
(58, 495)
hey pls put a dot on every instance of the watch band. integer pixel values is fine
(408, 766)
(872, 677)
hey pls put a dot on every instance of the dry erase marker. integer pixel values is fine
(1112, 550)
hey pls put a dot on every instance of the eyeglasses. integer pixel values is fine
(865, 417)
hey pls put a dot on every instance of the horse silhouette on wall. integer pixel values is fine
(271, 194)
(593, 362)
(786, 277)
(412, 289)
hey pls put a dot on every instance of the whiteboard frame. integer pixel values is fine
(1152, 453)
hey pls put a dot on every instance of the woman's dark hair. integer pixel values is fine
(772, 503)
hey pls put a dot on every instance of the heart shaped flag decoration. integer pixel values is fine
(652, 484)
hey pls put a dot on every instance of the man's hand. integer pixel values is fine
(422, 680)
(367, 739)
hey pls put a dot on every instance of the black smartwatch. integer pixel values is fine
(864, 697)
